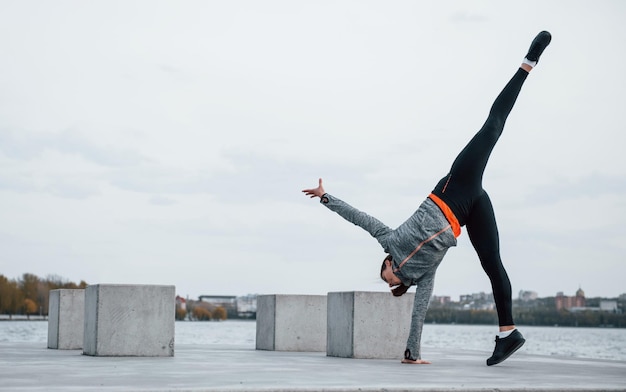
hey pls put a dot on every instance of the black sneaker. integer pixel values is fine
(541, 41)
(505, 347)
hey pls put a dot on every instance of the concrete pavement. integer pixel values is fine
(33, 367)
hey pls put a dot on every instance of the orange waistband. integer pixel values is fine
(447, 212)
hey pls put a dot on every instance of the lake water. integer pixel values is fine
(599, 343)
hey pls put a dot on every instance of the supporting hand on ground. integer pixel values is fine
(315, 192)
(416, 362)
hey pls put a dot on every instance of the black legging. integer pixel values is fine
(462, 191)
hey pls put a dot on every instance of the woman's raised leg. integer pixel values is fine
(463, 184)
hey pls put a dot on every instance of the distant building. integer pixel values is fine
(564, 302)
(236, 307)
(440, 300)
(608, 306)
(482, 296)
(246, 306)
(228, 302)
(477, 301)
(181, 303)
(526, 296)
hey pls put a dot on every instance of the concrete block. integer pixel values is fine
(129, 320)
(291, 323)
(66, 310)
(368, 324)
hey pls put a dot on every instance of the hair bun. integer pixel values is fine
(400, 290)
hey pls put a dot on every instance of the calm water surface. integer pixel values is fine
(599, 343)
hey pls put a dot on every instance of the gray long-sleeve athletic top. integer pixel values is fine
(417, 247)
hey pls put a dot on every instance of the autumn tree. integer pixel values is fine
(30, 307)
(219, 313)
(202, 314)
(14, 293)
(17, 298)
(6, 294)
(180, 313)
(29, 285)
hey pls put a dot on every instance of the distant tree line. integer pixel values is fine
(528, 316)
(29, 295)
(201, 311)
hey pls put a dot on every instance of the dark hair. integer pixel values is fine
(382, 267)
(398, 290)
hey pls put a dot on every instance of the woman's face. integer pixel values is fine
(388, 275)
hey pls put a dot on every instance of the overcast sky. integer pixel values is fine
(167, 142)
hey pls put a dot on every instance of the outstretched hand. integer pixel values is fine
(315, 192)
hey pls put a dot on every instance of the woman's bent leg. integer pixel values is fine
(483, 233)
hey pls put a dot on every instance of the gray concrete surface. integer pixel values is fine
(32, 367)
(291, 322)
(372, 325)
(66, 316)
(129, 320)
